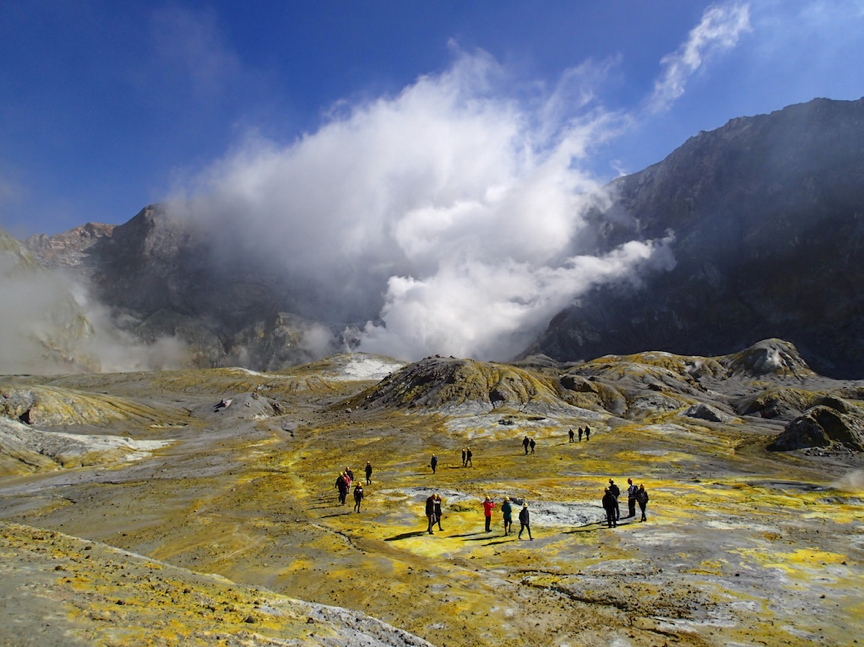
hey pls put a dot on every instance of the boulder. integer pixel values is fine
(822, 426)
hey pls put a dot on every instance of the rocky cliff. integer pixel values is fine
(768, 218)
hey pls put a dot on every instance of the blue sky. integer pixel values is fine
(108, 106)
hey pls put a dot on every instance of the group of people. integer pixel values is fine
(586, 431)
(343, 485)
(507, 514)
(634, 495)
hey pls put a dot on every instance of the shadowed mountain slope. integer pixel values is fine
(768, 217)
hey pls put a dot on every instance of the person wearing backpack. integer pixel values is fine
(358, 497)
(609, 502)
(507, 511)
(642, 500)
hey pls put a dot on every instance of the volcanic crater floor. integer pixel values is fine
(214, 536)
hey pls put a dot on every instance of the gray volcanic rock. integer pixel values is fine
(768, 218)
(823, 426)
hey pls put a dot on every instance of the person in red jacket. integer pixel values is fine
(488, 505)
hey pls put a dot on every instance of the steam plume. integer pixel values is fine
(443, 215)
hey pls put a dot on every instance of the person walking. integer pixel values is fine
(433, 463)
(533, 444)
(587, 433)
(358, 497)
(525, 443)
(525, 521)
(642, 499)
(468, 455)
(342, 487)
(430, 512)
(488, 504)
(438, 510)
(368, 473)
(571, 435)
(609, 503)
(350, 475)
(580, 434)
(464, 458)
(631, 498)
(616, 492)
(507, 511)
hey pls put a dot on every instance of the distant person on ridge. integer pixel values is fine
(580, 434)
(616, 492)
(642, 499)
(488, 504)
(358, 497)
(430, 512)
(533, 445)
(368, 473)
(438, 510)
(609, 504)
(433, 463)
(468, 455)
(631, 498)
(525, 521)
(507, 511)
(587, 433)
(464, 459)
(525, 444)
(571, 435)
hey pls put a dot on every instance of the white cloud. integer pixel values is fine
(720, 28)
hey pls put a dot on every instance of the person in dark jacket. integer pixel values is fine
(468, 455)
(525, 522)
(587, 433)
(631, 498)
(525, 443)
(616, 492)
(507, 511)
(358, 497)
(464, 458)
(642, 500)
(533, 444)
(438, 510)
(571, 435)
(433, 463)
(350, 475)
(368, 473)
(580, 434)
(609, 502)
(430, 512)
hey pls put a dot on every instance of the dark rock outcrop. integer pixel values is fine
(823, 426)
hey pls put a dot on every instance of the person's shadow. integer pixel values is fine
(406, 535)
